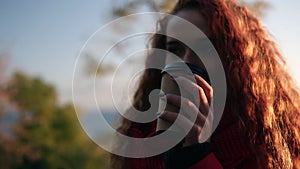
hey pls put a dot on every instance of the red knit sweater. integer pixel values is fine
(230, 148)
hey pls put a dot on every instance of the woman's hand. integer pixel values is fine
(204, 99)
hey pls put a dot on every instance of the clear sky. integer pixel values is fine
(44, 37)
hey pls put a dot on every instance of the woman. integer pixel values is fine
(260, 124)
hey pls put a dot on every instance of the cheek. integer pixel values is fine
(197, 61)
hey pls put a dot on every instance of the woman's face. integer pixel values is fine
(178, 48)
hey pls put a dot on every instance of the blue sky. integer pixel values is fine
(44, 37)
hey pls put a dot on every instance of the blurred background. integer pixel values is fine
(39, 44)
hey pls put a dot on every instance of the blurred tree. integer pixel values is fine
(259, 7)
(46, 135)
(92, 67)
(121, 8)
(134, 5)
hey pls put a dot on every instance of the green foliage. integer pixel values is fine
(259, 7)
(92, 67)
(46, 136)
(32, 94)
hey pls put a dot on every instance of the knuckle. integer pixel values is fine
(189, 103)
(201, 90)
(197, 129)
(210, 91)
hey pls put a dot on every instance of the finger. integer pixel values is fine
(188, 106)
(182, 121)
(193, 89)
(208, 90)
(193, 130)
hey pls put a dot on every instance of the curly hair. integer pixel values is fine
(257, 79)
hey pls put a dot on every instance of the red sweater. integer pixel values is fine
(230, 148)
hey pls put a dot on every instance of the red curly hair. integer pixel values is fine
(257, 79)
